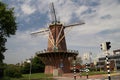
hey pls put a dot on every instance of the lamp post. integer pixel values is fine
(90, 57)
(115, 67)
(29, 61)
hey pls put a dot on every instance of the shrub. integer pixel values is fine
(5, 78)
(1, 72)
(12, 71)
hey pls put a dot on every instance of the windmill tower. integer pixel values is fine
(56, 56)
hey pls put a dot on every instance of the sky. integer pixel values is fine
(101, 17)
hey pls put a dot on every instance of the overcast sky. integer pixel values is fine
(101, 17)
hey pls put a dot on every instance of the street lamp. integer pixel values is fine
(29, 61)
(90, 57)
(115, 68)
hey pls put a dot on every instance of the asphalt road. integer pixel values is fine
(67, 78)
(95, 77)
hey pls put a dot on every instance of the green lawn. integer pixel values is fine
(35, 76)
(94, 73)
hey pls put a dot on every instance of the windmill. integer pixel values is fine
(57, 55)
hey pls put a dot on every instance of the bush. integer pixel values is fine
(5, 78)
(12, 71)
(1, 72)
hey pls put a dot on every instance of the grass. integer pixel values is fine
(96, 73)
(93, 73)
(35, 76)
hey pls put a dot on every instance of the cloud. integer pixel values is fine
(27, 9)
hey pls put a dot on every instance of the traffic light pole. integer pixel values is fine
(86, 65)
(108, 66)
(86, 70)
(105, 47)
(74, 67)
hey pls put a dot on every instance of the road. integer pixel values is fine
(67, 78)
(95, 77)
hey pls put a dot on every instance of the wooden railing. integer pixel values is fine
(68, 51)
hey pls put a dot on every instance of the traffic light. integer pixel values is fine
(103, 46)
(108, 46)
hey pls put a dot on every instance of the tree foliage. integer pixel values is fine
(36, 66)
(7, 27)
(13, 71)
(78, 61)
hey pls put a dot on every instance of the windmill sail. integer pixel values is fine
(53, 14)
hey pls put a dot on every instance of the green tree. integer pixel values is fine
(13, 71)
(7, 27)
(25, 68)
(37, 66)
(79, 60)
